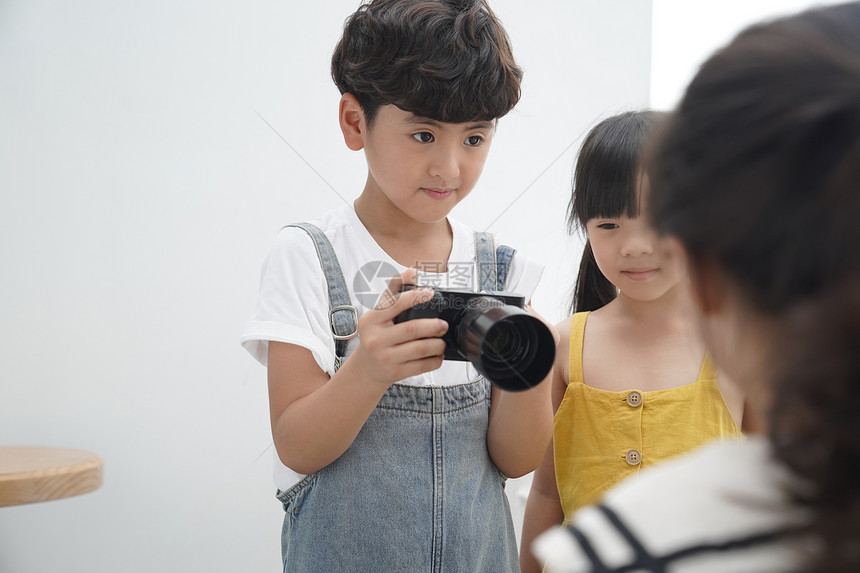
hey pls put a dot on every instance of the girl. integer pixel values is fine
(632, 383)
(758, 178)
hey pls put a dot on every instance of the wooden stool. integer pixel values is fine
(32, 474)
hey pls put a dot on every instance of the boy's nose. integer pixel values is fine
(445, 164)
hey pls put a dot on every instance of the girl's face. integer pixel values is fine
(630, 254)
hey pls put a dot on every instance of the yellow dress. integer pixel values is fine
(602, 436)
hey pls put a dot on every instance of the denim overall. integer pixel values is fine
(416, 490)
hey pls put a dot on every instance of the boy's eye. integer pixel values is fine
(423, 137)
(474, 140)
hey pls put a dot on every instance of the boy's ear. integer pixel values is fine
(352, 123)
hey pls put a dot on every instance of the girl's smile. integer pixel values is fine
(640, 274)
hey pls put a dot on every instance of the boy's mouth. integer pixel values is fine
(437, 193)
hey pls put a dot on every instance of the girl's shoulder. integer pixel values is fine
(568, 323)
(562, 349)
(570, 334)
(563, 327)
(570, 327)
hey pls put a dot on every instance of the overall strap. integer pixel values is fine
(343, 316)
(492, 263)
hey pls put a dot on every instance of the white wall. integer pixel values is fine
(685, 33)
(140, 192)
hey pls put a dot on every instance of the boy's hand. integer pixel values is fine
(390, 352)
(553, 330)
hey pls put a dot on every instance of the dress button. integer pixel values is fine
(634, 398)
(633, 457)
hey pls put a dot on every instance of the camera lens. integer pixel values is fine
(502, 340)
(512, 348)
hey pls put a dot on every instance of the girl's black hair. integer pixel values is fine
(758, 172)
(605, 183)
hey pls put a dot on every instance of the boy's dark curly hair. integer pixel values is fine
(446, 60)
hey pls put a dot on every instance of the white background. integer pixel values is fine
(685, 33)
(148, 154)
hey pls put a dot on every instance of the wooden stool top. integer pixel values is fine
(31, 474)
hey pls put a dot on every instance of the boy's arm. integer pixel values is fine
(520, 424)
(543, 508)
(315, 417)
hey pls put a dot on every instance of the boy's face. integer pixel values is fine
(423, 167)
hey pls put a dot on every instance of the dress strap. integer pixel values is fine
(708, 370)
(577, 334)
(343, 316)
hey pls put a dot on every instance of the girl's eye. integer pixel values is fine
(607, 226)
(474, 140)
(423, 137)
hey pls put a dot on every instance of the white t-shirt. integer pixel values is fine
(293, 305)
(709, 511)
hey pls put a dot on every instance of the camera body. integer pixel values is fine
(450, 305)
(509, 346)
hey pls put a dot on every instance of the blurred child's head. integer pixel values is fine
(758, 176)
(445, 60)
(608, 179)
(760, 168)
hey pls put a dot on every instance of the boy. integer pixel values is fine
(390, 459)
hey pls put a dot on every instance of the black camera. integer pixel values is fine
(509, 346)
